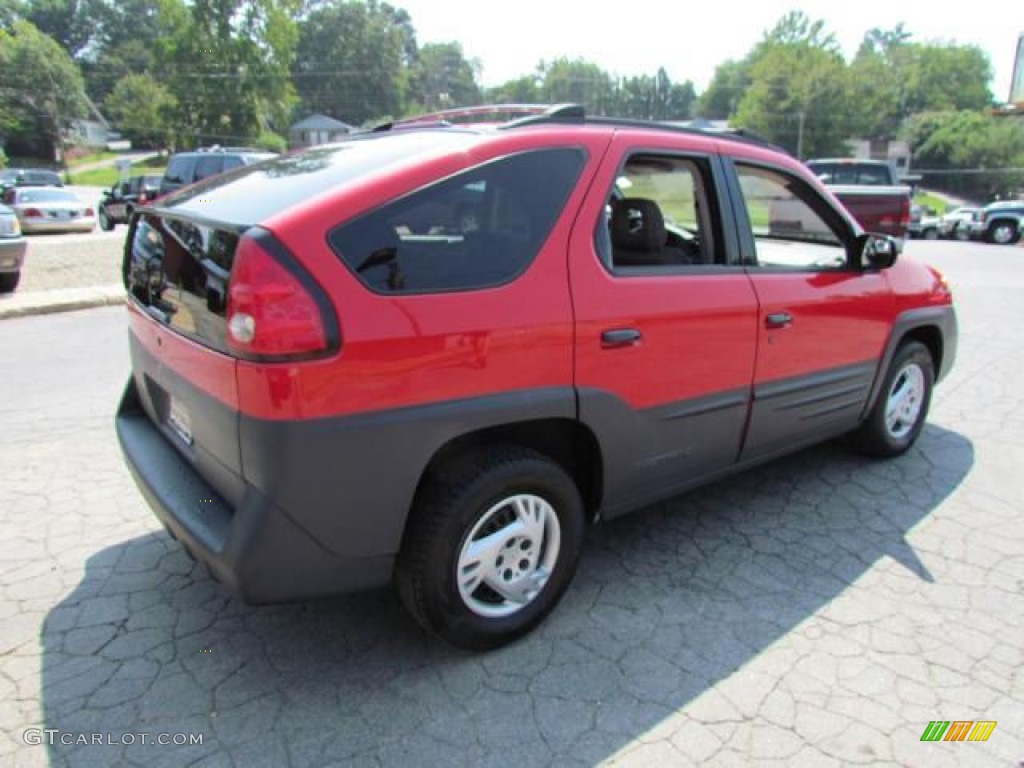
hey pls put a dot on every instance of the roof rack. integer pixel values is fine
(506, 114)
(540, 114)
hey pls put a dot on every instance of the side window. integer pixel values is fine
(789, 222)
(178, 170)
(658, 215)
(476, 229)
(231, 161)
(208, 166)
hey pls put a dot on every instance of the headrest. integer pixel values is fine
(637, 225)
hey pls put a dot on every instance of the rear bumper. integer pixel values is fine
(29, 226)
(254, 549)
(12, 253)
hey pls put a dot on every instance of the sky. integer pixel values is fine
(690, 38)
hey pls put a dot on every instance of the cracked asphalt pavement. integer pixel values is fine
(818, 611)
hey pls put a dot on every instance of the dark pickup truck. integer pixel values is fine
(868, 191)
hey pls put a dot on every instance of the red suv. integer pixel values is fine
(432, 354)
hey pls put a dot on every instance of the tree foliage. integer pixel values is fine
(41, 89)
(144, 110)
(442, 78)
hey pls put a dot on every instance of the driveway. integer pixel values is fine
(818, 611)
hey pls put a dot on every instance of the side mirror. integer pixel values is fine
(877, 251)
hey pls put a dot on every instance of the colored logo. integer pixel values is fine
(958, 730)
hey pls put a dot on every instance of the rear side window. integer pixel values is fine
(179, 170)
(208, 166)
(479, 228)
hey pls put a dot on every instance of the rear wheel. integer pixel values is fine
(899, 413)
(105, 223)
(491, 547)
(1002, 233)
(9, 281)
(930, 234)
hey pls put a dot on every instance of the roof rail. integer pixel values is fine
(508, 114)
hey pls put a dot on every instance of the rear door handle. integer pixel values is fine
(778, 320)
(620, 337)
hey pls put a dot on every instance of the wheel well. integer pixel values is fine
(564, 441)
(931, 337)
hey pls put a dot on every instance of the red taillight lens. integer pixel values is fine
(32, 213)
(270, 312)
(89, 212)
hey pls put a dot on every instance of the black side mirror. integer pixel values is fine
(877, 251)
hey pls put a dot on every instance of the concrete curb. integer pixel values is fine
(63, 300)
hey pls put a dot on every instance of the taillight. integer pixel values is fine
(89, 212)
(32, 213)
(271, 310)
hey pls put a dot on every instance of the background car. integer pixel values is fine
(924, 223)
(29, 177)
(188, 167)
(956, 224)
(1000, 223)
(120, 200)
(12, 250)
(45, 209)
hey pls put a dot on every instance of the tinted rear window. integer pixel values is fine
(254, 192)
(180, 270)
(476, 229)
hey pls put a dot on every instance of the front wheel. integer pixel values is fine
(1002, 233)
(930, 234)
(899, 413)
(491, 547)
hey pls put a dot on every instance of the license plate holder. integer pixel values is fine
(179, 421)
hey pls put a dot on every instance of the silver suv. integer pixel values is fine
(1001, 223)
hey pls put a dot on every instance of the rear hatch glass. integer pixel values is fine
(179, 270)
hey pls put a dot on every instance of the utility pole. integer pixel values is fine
(800, 136)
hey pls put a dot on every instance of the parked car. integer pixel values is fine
(29, 177)
(924, 223)
(46, 209)
(325, 398)
(1000, 223)
(189, 167)
(12, 250)
(869, 192)
(956, 224)
(120, 200)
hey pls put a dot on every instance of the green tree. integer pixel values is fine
(441, 78)
(69, 22)
(522, 90)
(579, 82)
(41, 90)
(143, 110)
(352, 61)
(723, 94)
(798, 92)
(229, 66)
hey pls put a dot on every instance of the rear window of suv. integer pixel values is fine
(479, 228)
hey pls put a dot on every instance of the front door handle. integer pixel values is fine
(620, 337)
(778, 320)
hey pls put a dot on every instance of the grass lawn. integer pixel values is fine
(936, 203)
(92, 157)
(106, 177)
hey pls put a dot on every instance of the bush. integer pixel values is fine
(271, 142)
(3, 159)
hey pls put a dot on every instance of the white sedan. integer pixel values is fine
(50, 209)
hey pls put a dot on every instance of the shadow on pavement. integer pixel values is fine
(667, 603)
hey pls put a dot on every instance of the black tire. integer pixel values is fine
(1002, 232)
(9, 281)
(875, 437)
(452, 503)
(930, 234)
(105, 223)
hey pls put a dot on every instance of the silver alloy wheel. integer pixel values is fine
(1003, 234)
(905, 400)
(508, 556)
